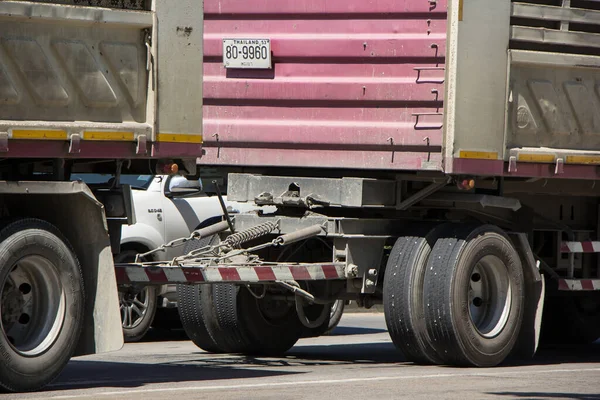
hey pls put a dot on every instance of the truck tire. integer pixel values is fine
(138, 304)
(473, 296)
(337, 310)
(191, 305)
(272, 326)
(403, 298)
(571, 319)
(41, 302)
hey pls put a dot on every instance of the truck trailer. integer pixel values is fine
(438, 157)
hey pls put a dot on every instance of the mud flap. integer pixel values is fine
(535, 289)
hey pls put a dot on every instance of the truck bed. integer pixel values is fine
(354, 84)
(493, 87)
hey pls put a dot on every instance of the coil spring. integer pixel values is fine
(236, 239)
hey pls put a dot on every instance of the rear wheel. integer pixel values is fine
(192, 302)
(335, 316)
(403, 297)
(473, 297)
(41, 304)
(138, 304)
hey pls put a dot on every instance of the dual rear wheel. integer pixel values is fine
(455, 296)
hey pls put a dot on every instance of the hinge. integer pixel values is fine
(141, 145)
(560, 163)
(148, 43)
(74, 145)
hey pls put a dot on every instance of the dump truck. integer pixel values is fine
(439, 157)
(95, 86)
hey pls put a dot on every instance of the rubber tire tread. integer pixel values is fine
(190, 304)
(447, 330)
(405, 324)
(46, 370)
(336, 317)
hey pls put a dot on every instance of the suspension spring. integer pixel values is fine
(235, 240)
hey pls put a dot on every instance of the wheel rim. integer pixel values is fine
(33, 306)
(489, 296)
(134, 307)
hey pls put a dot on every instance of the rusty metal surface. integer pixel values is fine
(354, 84)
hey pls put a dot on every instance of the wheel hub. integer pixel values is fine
(33, 305)
(134, 306)
(489, 296)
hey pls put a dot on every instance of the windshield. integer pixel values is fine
(136, 181)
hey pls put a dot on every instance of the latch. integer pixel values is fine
(141, 145)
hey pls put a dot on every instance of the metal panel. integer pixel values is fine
(68, 70)
(554, 103)
(354, 84)
(476, 87)
(179, 71)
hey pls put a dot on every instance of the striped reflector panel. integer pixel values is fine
(132, 273)
(580, 247)
(578, 284)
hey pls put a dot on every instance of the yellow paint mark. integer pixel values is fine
(50, 134)
(106, 135)
(543, 158)
(460, 10)
(583, 160)
(481, 155)
(178, 138)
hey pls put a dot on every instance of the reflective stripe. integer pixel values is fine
(178, 138)
(544, 158)
(583, 160)
(108, 135)
(51, 134)
(482, 155)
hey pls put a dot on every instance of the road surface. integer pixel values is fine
(357, 362)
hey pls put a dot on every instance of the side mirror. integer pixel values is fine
(179, 185)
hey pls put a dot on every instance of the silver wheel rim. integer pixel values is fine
(134, 307)
(33, 306)
(489, 296)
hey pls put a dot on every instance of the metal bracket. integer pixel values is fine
(141, 145)
(560, 164)
(75, 144)
(3, 142)
(421, 194)
(512, 164)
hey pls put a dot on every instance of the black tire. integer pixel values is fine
(268, 335)
(571, 319)
(191, 304)
(135, 329)
(464, 331)
(403, 297)
(337, 310)
(37, 262)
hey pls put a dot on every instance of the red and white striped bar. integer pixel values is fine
(579, 284)
(161, 275)
(580, 247)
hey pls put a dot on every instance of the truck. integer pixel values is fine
(439, 157)
(95, 86)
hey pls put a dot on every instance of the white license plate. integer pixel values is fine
(247, 53)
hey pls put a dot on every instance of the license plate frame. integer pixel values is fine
(247, 53)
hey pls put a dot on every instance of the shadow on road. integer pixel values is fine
(543, 396)
(96, 374)
(351, 330)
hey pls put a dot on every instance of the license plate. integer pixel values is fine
(247, 53)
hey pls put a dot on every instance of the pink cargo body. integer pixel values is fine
(355, 84)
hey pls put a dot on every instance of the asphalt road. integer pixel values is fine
(357, 362)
